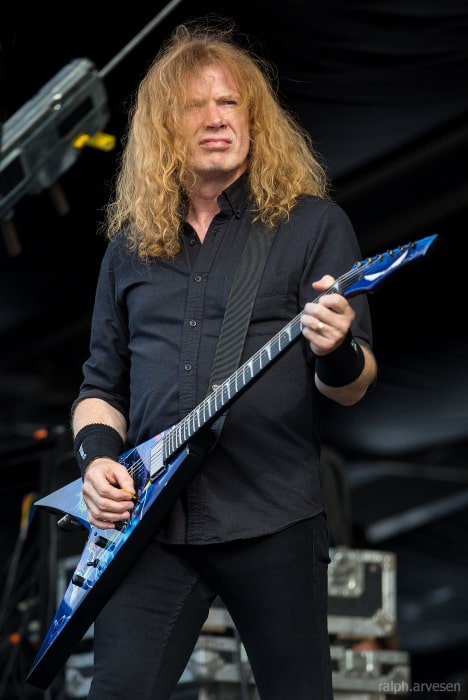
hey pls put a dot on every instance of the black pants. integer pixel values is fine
(275, 588)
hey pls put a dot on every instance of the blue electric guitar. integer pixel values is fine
(161, 467)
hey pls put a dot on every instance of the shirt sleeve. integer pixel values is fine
(106, 371)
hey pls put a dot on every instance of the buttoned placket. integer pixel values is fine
(195, 307)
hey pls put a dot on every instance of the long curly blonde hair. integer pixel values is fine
(150, 199)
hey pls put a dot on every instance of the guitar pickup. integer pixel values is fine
(157, 464)
(157, 473)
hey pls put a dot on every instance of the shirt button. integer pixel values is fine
(192, 241)
(193, 323)
(197, 278)
(187, 366)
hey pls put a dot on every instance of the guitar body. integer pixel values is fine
(109, 554)
(161, 467)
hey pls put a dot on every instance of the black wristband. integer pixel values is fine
(96, 440)
(343, 365)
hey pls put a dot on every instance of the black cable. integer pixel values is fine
(16, 646)
(10, 579)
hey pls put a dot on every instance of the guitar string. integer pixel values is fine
(178, 436)
(138, 467)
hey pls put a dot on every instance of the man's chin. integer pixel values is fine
(221, 167)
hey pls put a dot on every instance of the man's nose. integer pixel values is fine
(214, 115)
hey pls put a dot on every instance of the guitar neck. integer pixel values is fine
(206, 413)
(224, 394)
(364, 276)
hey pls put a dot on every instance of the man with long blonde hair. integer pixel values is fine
(209, 150)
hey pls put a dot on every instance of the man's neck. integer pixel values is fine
(201, 212)
(203, 203)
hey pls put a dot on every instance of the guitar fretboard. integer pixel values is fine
(362, 277)
(221, 397)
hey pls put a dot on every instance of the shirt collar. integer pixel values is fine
(234, 199)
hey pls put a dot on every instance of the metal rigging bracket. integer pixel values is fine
(45, 136)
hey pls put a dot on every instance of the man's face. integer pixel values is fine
(217, 130)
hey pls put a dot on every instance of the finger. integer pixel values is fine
(324, 283)
(103, 518)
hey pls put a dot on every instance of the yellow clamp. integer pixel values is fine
(100, 140)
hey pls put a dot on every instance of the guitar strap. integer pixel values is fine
(239, 307)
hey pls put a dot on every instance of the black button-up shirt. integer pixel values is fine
(154, 334)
